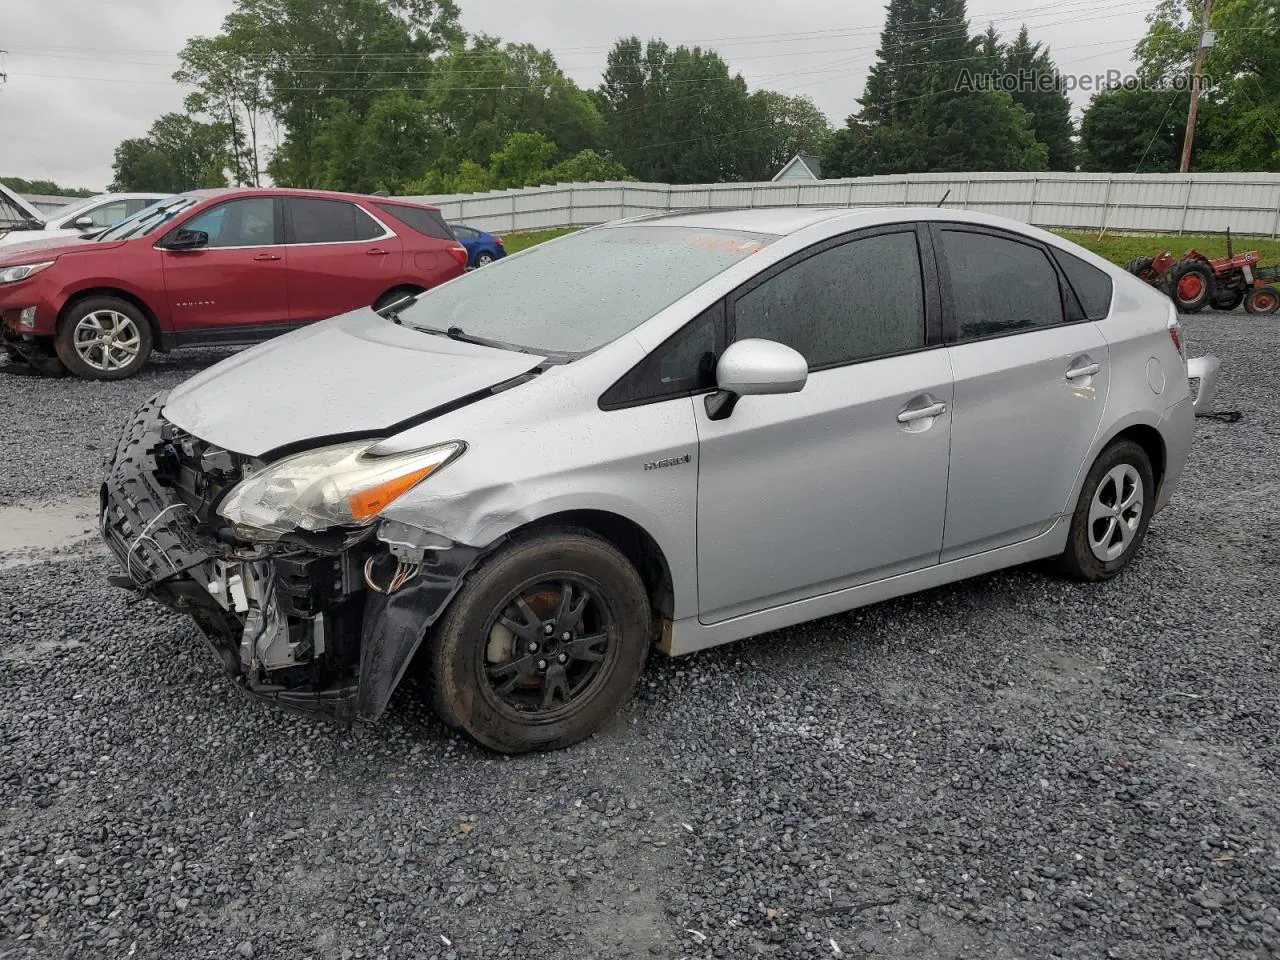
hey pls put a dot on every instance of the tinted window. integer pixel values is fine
(999, 286)
(425, 221)
(685, 363)
(238, 223)
(328, 221)
(584, 290)
(1093, 288)
(858, 300)
(464, 233)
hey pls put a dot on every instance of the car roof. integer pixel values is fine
(211, 192)
(782, 221)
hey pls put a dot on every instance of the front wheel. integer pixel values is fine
(104, 338)
(543, 643)
(1113, 513)
(1262, 301)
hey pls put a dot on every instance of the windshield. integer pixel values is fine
(583, 291)
(148, 220)
(69, 212)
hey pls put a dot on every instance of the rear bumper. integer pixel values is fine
(1205, 371)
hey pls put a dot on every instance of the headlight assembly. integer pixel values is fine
(337, 486)
(22, 272)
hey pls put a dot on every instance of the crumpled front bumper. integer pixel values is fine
(1205, 371)
(171, 559)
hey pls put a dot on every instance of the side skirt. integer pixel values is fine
(688, 635)
(223, 336)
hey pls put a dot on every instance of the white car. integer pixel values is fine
(84, 216)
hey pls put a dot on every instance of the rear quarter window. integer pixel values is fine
(421, 220)
(1092, 287)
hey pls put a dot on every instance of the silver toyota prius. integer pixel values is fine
(660, 434)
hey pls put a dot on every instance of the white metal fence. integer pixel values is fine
(1246, 203)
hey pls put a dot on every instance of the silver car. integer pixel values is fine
(663, 434)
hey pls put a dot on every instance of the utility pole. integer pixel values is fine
(1206, 41)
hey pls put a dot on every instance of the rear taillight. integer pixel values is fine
(1176, 337)
(500, 241)
(459, 253)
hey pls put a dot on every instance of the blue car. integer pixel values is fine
(482, 248)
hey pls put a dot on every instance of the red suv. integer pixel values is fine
(215, 267)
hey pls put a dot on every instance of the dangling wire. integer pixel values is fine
(404, 573)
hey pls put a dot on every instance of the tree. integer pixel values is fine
(786, 126)
(523, 161)
(588, 167)
(232, 89)
(483, 93)
(1134, 131)
(1039, 92)
(43, 188)
(922, 109)
(177, 154)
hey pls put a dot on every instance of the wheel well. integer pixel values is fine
(82, 295)
(1149, 439)
(636, 545)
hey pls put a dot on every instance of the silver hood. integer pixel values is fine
(355, 374)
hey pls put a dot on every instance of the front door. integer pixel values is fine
(846, 481)
(1030, 387)
(340, 258)
(237, 281)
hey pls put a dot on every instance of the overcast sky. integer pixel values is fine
(85, 74)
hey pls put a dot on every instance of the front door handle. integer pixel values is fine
(266, 257)
(922, 413)
(377, 252)
(1085, 370)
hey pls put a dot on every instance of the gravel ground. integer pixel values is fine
(1011, 767)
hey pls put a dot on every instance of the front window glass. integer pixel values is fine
(149, 220)
(585, 290)
(250, 222)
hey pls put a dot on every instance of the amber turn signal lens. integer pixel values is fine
(367, 504)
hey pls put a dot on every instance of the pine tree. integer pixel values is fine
(1039, 92)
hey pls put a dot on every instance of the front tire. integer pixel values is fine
(543, 643)
(103, 338)
(1262, 301)
(1113, 513)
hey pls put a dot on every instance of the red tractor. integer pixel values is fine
(1196, 282)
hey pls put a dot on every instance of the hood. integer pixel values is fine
(14, 251)
(355, 374)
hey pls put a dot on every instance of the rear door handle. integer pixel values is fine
(922, 413)
(1087, 370)
(377, 252)
(265, 257)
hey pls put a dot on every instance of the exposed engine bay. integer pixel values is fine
(323, 623)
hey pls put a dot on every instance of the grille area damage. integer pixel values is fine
(324, 624)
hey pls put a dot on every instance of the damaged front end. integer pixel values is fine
(324, 623)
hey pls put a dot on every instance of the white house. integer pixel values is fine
(803, 166)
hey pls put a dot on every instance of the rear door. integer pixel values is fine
(1031, 380)
(340, 257)
(427, 243)
(844, 482)
(238, 280)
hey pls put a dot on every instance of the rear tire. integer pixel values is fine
(391, 296)
(1262, 301)
(1191, 285)
(510, 645)
(1112, 515)
(484, 259)
(103, 338)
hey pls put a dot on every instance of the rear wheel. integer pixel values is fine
(1191, 285)
(543, 643)
(1111, 518)
(1262, 301)
(104, 338)
(484, 258)
(1141, 268)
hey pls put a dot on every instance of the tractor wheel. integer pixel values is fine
(1191, 285)
(1227, 300)
(1141, 267)
(1262, 301)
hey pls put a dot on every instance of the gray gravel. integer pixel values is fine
(1012, 767)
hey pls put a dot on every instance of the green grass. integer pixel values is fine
(1118, 248)
(515, 242)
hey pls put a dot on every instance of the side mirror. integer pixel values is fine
(187, 240)
(755, 368)
(84, 223)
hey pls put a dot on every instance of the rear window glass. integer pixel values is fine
(582, 291)
(1093, 288)
(425, 221)
(327, 221)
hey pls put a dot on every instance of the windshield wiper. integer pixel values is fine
(392, 310)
